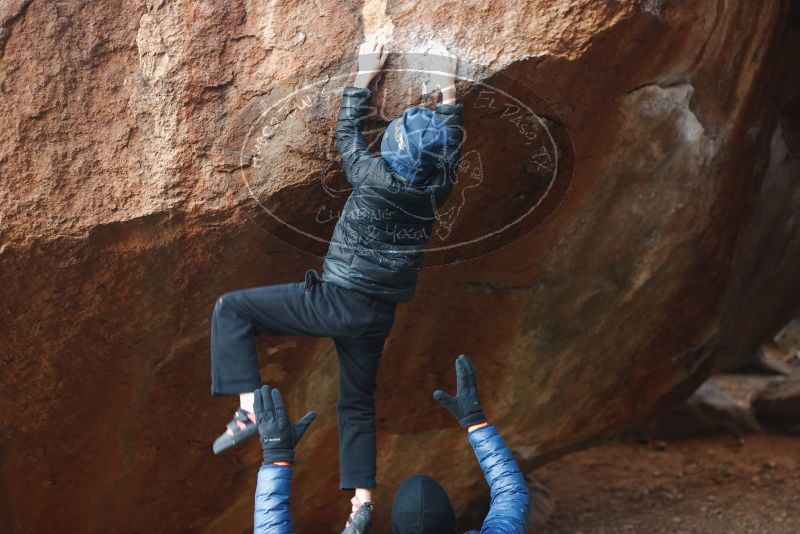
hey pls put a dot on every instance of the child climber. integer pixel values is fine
(372, 263)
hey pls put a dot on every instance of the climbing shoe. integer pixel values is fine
(239, 429)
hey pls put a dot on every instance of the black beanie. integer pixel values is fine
(421, 506)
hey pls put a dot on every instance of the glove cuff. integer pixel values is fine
(278, 455)
(472, 419)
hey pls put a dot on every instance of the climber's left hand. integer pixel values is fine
(371, 57)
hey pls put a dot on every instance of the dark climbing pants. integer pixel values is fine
(358, 324)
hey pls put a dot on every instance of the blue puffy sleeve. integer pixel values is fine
(272, 512)
(510, 495)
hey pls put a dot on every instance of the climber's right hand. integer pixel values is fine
(465, 406)
(442, 66)
(278, 436)
(445, 63)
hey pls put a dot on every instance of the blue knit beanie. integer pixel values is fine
(412, 143)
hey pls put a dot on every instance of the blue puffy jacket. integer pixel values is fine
(274, 486)
(510, 504)
(510, 497)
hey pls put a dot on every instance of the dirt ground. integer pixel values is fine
(704, 485)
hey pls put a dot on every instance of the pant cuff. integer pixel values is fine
(347, 485)
(234, 390)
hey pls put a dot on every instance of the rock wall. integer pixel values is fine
(125, 214)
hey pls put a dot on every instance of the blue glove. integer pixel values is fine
(278, 436)
(465, 406)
